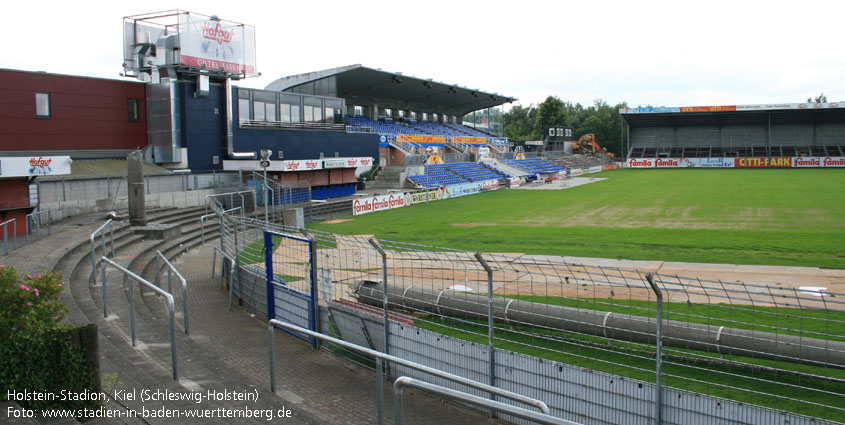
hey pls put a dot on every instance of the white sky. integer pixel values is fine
(659, 53)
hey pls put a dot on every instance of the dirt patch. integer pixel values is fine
(472, 224)
(336, 221)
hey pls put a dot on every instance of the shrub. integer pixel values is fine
(36, 353)
(30, 303)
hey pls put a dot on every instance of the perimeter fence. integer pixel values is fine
(600, 345)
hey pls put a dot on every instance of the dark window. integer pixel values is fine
(132, 111)
(42, 105)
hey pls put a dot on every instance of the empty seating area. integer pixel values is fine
(737, 152)
(447, 174)
(533, 166)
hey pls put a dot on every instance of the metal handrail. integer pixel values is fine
(101, 231)
(232, 195)
(29, 222)
(5, 225)
(231, 271)
(170, 305)
(207, 216)
(272, 323)
(405, 381)
(159, 258)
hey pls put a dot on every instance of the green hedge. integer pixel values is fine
(49, 361)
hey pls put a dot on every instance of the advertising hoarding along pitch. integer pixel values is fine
(378, 203)
(762, 162)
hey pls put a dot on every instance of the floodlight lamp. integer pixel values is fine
(265, 154)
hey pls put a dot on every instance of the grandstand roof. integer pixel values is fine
(784, 113)
(361, 85)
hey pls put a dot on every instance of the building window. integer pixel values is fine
(132, 112)
(42, 105)
(258, 111)
(243, 109)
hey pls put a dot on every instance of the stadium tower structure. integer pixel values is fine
(811, 132)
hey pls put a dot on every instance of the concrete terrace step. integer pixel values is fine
(133, 365)
(225, 351)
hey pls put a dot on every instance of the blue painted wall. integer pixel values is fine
(204, 134)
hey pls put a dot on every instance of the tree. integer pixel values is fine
(818, 99)
(519, 122)
(552, 112)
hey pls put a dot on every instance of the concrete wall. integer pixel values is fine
(179, 199)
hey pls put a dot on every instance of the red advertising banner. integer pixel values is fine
(833, 161)
(641, 163)
(763, 162)
(378, 203)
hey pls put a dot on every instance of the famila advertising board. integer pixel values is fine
(758, 162)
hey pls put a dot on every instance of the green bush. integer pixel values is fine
(46, 361)
(36, 353)
(31, 303)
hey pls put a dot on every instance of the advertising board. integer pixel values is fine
(463, 189)
(378, 203)
(215, 44)
(489, 185)
(28, 166)
(731, 108)
(713, 162)
(762, 162)
(302, 165)
(412, 198)
(470, 140)
(833, 161)
(347, 162)
(421, 140)
(596, 169)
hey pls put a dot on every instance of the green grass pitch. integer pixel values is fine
(793, 217)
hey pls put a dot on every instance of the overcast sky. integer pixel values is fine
(671, 53)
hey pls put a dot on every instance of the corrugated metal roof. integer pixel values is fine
(107, 168)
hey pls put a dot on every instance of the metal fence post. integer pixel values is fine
(268, 267)
(272, 358)
(131, 308)
(491, 348)
(380, 362)
(376, 245)
(315, 312)
(105, 292)
(659, 356)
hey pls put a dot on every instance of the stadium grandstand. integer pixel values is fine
(409, 114)
(744, 131)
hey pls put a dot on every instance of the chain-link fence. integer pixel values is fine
(598, 344)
